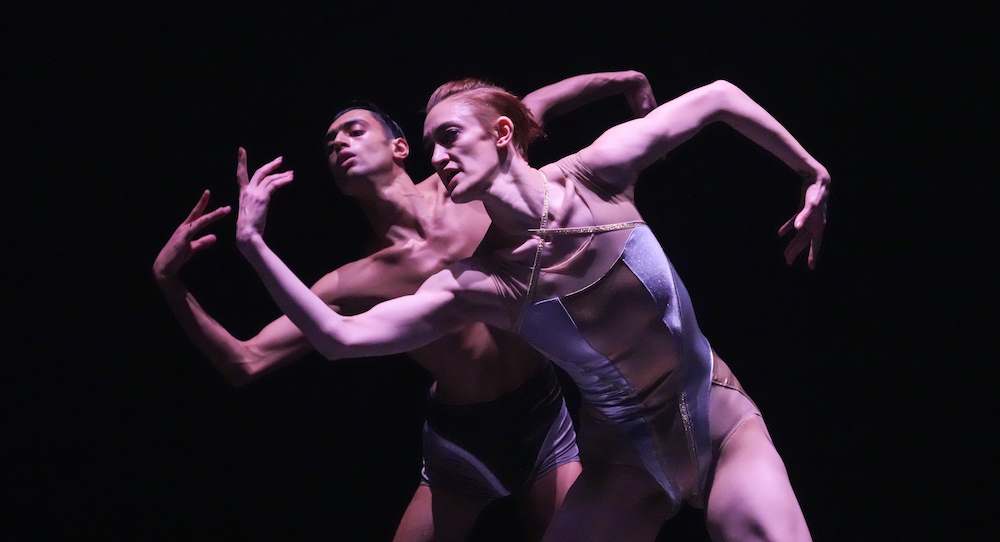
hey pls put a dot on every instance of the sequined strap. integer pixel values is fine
(535, 267)
(542, 232)
(589, 229)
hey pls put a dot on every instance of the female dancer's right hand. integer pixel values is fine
(255, 196)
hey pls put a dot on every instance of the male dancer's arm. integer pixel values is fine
(280, 342)
(569, 94)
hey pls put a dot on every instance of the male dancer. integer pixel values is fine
(484, 378)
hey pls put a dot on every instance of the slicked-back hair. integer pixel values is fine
(390, 126)
(488, 98)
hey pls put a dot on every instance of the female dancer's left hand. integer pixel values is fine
(255, 195)
(810, 221)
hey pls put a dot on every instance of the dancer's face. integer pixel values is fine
(357, 146)
(464, 152)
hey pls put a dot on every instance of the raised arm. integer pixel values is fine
(566, 95)
(623, 151)
(453, 297)
(238, 361)
(353, 288)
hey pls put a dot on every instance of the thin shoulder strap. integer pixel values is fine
(545, 234)
(529, 296)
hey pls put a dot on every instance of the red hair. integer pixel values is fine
(486, 96)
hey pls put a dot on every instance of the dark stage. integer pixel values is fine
(875, 372)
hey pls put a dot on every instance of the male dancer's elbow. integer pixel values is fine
(243, 366)
(240, 373)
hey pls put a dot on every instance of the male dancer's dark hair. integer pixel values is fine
(390, 126)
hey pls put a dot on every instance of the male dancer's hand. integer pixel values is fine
(811, 220)
(182, 245)
(640, 97)
(255, 195)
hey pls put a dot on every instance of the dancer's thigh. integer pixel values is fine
(608, 503)
(417, 524)
(750, 497)
(439, 516)
(545, 496)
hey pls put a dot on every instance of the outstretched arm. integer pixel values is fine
(238, 361)
(623, 151)
(449, 299)
(566, 95)
(353, 287)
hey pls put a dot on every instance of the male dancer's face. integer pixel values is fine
(358, 147)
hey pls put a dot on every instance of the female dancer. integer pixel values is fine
(569, 264)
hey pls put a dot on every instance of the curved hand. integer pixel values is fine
(182, 245)
(810, 221)
(255, 194)
(640, 97)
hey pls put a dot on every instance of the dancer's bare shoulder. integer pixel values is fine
(454, 228)
(392, 272)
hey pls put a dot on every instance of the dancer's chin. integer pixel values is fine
(460, 197)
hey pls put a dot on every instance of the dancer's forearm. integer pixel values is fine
(317, 320)
(566, 95)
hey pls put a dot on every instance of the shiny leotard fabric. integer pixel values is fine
(485, 451)
(631, 343)
(618, 319)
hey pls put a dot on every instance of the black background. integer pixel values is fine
(875, 373)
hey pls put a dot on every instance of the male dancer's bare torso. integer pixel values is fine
(428, 232)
